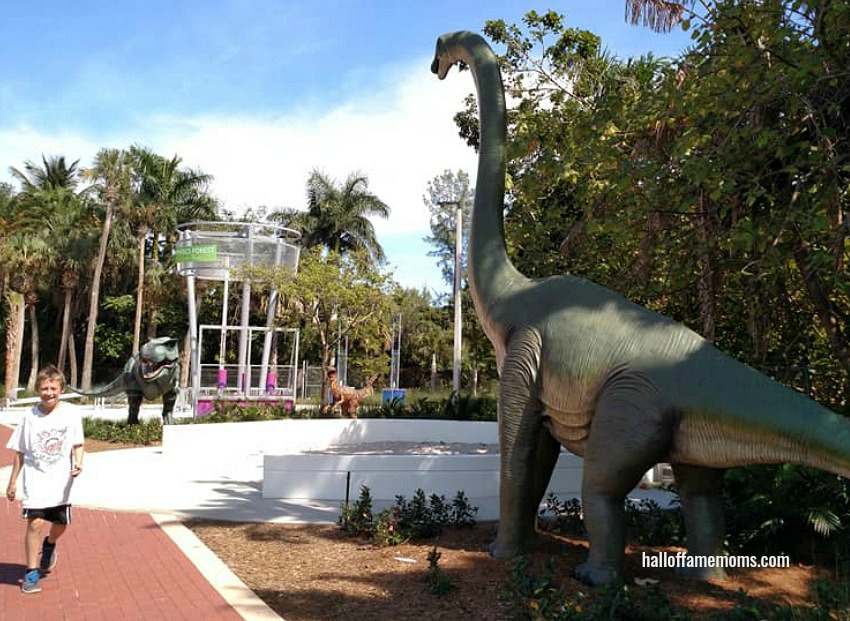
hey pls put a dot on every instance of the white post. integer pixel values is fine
(244, 379)
(457, 335)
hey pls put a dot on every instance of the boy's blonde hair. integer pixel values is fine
(50, 373)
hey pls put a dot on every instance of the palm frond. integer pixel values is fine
(658, 15)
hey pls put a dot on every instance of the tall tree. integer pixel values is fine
(337, 217)
(167, 195)
(111, 174)
(443, 194)
(50, 201)
(339, 296)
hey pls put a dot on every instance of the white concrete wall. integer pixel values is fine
(281, 437)
(332, 477)
(276, 447)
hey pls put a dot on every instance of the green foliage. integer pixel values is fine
(337, 297)
(357, 519)
(788, 509)
(233, 412)
(565, 518)
(647, 523)
(145, 433)
(530, 596)
(536, 597)
(417, 519)
(337, 216)
(437, 581)
(464, 407)
(832, 603)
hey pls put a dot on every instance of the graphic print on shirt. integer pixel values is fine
(48, 445)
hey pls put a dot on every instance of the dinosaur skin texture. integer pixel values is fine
(153, 372)
(623, 387)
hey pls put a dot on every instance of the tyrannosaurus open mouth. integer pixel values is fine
(151, 369)
(157, 357)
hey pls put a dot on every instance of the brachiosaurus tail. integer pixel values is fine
(736, 416)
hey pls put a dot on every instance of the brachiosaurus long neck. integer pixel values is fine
(491, 273)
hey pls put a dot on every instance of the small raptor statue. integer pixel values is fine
(623, 387)
(153, 372)
(346, 399)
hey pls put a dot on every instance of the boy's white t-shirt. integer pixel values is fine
(47, 442)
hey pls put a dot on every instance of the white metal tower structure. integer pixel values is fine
(223, 251)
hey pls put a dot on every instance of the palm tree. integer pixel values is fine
(111, 173)
(338, 217)
(48, 198)
(167, 196)
(9, 215)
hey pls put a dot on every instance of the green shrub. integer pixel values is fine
(788, 509)
(357, 518)
(437, 581)
(417, 519)
(647, 523)
(144, 433)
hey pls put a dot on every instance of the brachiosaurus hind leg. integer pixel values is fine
(630, 432)
(702, 506)
(528, 451)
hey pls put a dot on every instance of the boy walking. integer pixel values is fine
(49, 445)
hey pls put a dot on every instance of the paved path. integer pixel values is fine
(116, 565)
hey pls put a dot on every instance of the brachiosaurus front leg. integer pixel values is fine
(631, 431)
(528, 451)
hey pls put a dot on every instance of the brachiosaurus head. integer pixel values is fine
(445, 54)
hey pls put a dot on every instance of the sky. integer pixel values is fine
(258, 93)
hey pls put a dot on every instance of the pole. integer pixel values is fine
(457, 335)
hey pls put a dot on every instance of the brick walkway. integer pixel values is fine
(112, 566)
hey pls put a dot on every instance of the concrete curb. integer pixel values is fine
(229, 586)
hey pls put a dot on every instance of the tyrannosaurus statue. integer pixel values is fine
(621, 386)
(153, 372)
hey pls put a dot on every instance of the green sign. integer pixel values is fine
(203, 253)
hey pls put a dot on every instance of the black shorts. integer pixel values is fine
(57, 515)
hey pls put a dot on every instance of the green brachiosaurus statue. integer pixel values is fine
(619, 385)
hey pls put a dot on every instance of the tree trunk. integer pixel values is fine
(66, 329)
(707, 284)
(72, 355)
(34, 342)
(140, 294)
(88, 353)
(14, 340)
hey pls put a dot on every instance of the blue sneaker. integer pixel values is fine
(30, 583)
(48, 557)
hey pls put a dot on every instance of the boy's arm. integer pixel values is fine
(77, 465)
(17, 464)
